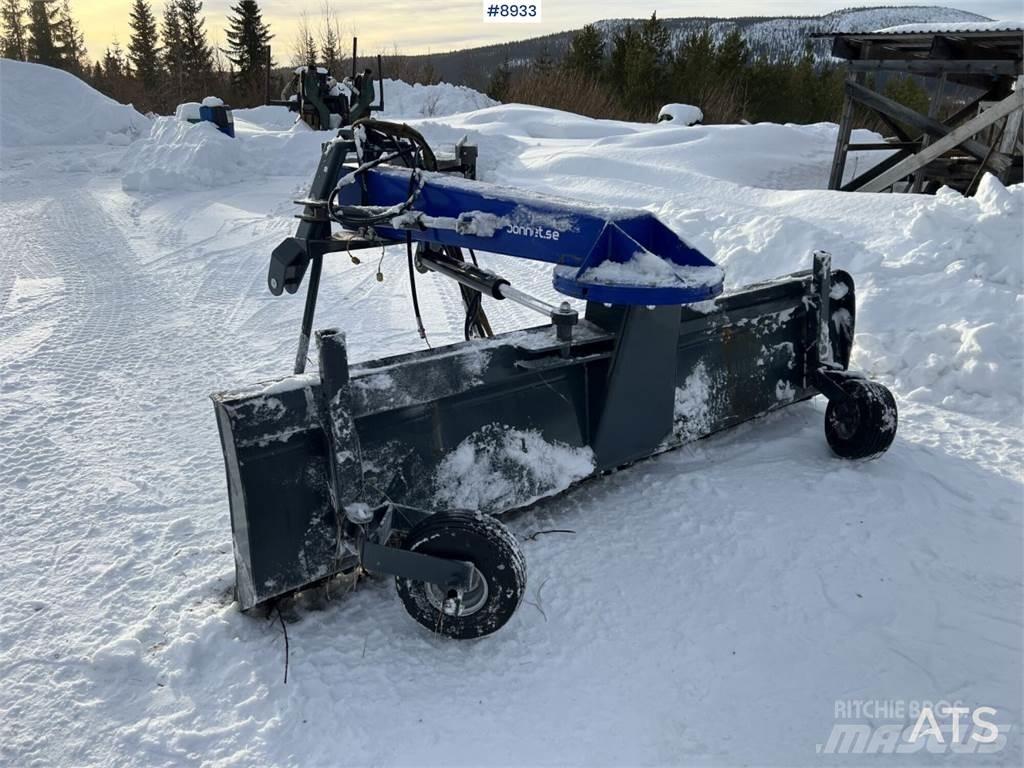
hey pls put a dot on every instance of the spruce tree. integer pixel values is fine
(543, 64)
(15, 43)
(143, 47)
(247, 36)
(173, 53)
(622, 43)
(731, 56)
(693, 70)
(644, 76)
(500, 80)
(586, 52)
(305, 51)
(196, 55)
(330, 41)
(69, 40)
(42, 18)
(114, 64)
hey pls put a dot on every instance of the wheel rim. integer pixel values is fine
(846, 418)
(460, 602)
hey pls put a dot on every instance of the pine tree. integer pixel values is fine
(15, 44)
(501, 79)
(330, 40)
(248, 36)
(543, 64)
(42, 18)
(805, 88)
(143, 47)
(173, 53)
(645, 67)
(622, 43)
(731, 56)
(586, 52)
(693, 68)
(114, 64)
(196, 55)
(305, 51)
(69, 40)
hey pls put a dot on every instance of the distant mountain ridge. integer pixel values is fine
(779, 36)
(770, 36)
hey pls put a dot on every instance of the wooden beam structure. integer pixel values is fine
(973, 73)
(956, 137)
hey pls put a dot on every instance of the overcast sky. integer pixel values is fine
(419, 26)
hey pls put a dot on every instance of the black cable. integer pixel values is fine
(472, 322)
(412, 285)
(357, 217)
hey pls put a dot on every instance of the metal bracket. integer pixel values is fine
(392, 561)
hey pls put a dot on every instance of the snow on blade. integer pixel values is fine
(500, 468)
(652, 271)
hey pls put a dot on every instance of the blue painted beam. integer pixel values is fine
(605, 254)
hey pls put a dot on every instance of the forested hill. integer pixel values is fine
(768, 37)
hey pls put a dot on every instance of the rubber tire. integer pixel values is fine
(495, 553)
(864, 425)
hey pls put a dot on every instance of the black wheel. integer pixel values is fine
(498, 582)
(863, 424)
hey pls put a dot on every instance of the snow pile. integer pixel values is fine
(499, 468)
(417, 100)
(680, 114)
(951, 300)
(182, 155)
(269, 141)
(264, 117)
(42, 105)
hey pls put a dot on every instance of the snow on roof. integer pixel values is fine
(952, 27)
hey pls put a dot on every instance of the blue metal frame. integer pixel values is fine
(574, 236)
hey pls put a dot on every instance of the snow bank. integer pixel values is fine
(264, 117)
(42, 105)
(269, 141)
(410, 101)
(941, 314)
(181, 155)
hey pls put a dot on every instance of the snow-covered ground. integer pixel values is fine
(711, 606)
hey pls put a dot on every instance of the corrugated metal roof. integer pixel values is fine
(952, 28)
(917, 30)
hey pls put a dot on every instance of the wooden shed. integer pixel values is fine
(973, 74)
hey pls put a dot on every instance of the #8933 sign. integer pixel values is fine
(512, 13)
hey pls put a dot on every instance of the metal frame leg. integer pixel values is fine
(312, 289)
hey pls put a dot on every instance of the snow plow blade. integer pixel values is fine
(496, 424)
